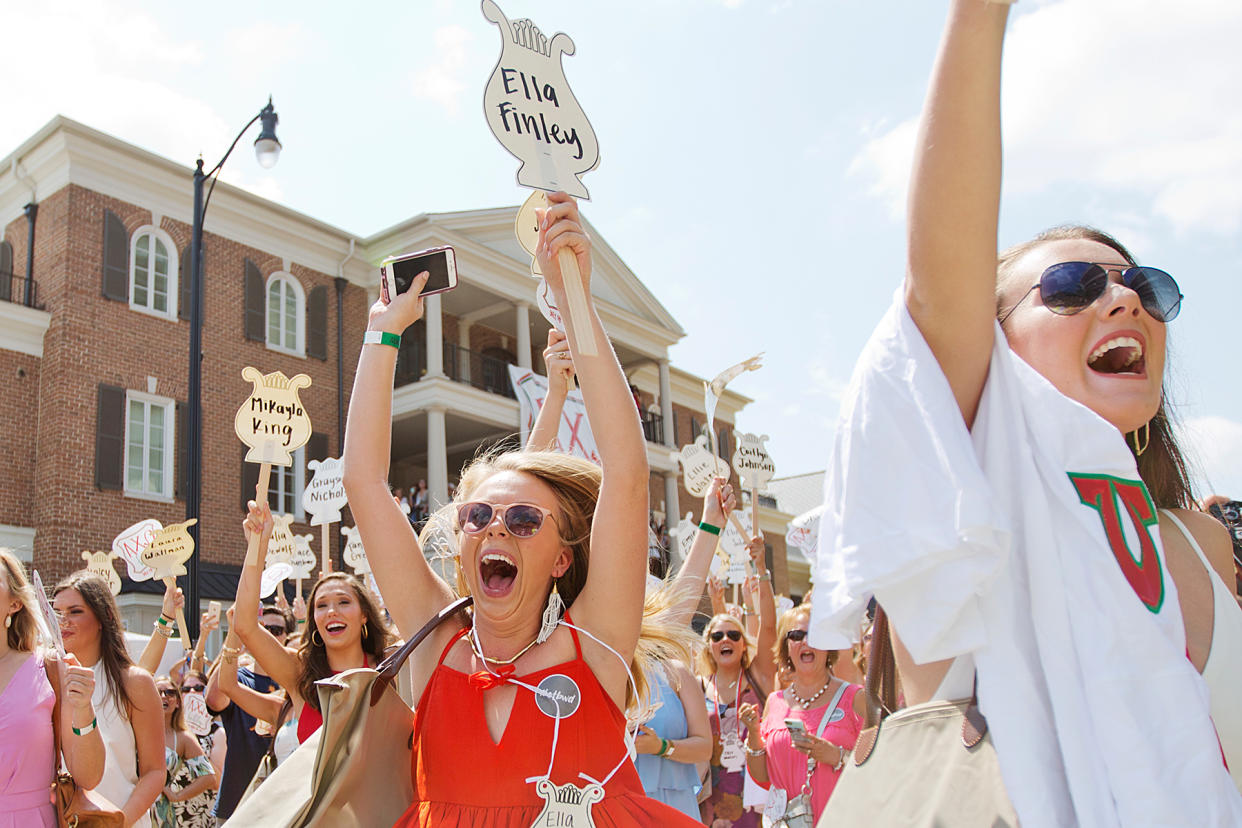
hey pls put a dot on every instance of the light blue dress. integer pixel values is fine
(676, 784)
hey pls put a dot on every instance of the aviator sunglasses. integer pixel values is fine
(522, 520)
(734, 635)
(1069, 287)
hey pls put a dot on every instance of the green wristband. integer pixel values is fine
(707, 527)
(381, 338)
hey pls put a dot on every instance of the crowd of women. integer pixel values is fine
(1013, 402)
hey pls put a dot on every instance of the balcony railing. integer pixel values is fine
(13, 289)
(481, 371)
(653, 427)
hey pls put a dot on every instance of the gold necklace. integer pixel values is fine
(477, 646)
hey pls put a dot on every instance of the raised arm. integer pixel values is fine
(560, 366)
(412, 591)
(717, 504)
(765, 661)
(264, 706)
(275, 660)
(153, 653)
(610, 605)
(950, 286)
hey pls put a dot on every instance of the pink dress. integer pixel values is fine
(786, 764)
(26, 748)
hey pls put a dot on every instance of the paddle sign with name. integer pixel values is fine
(273, 423)
(170, 547)
(355, 554)
(100, 563)
(281, 547)
(534, 115)
(699, 466)
(128, 546)
(324, 498)
(195, 714)
(751, 461)
(303, 560)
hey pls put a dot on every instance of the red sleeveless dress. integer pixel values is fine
(463, 778)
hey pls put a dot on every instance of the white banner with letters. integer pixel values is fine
(574, 435)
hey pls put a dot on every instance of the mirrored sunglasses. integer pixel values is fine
(1070, 287)
(522, 520)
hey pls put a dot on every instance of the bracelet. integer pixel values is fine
(765, 576)
(301, 620)
(663, 747)
(85, 730)
(707, 527)
(841, 760)
(381, 338)
(164, 630)
(760, 752)
(163, 620)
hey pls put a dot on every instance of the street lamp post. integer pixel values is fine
(267, 150)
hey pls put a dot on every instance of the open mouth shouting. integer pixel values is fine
(335, 628)
(497, 574)
(1119, 354)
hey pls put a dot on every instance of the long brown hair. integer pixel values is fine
(1162, 465)
(178, 716)
(23, 631)
(116, 661)
(313, 656)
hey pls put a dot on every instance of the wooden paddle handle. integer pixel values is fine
(575, 296)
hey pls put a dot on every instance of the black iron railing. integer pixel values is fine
(14, 288)
(462, 365)
(653, 427)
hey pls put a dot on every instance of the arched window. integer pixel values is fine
(286, 310)
(153, 272)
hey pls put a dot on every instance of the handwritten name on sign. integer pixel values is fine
(128, 546)
(325, 495)
(272, 421)
(751, 461)
(171, 547)
(532, 111)
(699, 466)
(303, 560)
(281, 547)
(100, 563)
(355, 554)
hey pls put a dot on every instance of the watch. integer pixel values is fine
(672, 748)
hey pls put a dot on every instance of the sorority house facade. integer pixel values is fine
(94, 352)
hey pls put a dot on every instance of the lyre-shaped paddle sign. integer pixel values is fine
(272, 421)
(169, 549)
(281, 548)
(273, 575)
(567, 804)
(325, 494)
(303, 560)
(128, 546)
(532, 111)
(355, 555)
(526, 228)
(699, 466)
(685, 531)
(100, 563)
(751, 461)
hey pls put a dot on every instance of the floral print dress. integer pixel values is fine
(193, 813)
(724, 809)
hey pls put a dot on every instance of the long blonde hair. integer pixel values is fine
(23, 632)
(575, 483)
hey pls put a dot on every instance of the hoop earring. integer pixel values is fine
(315, 632)
(364, 629)
(1134, 439)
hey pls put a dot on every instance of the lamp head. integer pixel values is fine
(267, 146)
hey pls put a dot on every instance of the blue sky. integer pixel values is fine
(753, 154)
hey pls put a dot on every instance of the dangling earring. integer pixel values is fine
(1134, 439)
(315, 632)
(551, 615)
(8, 621)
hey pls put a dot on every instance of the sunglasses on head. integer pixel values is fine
(796, 635)
(1069, 287)
(733, 635)
(275, 629)
(522, 520)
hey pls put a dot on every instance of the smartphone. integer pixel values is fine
(397, 273)
(213, 611)
(795, 727)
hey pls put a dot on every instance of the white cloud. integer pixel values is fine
(265, 46)
(1121, 95)
(1215, 446)
(443, 81)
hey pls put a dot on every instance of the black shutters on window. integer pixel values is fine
(183, 284)
(256, 306)
(317, 323)
(6, 271)
(115, 258)
(110, 437)
(317, 447)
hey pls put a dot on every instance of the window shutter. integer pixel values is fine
(6, 271)
(181, 477)
(109, 437)
(115, 258)
(249, 479)
(317, 446)
(317, 323)
(256, 305)
(183, 284)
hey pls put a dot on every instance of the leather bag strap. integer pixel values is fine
(391, 666)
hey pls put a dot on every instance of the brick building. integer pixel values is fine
(94, 349)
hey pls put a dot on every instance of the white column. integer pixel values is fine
(666, 404)
(463, 342)
(523, 335)
(437, 457)
(435, 336)
(672, 504)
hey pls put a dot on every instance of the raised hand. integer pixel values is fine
(560, 226)
(719, 501)
(559, 362)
